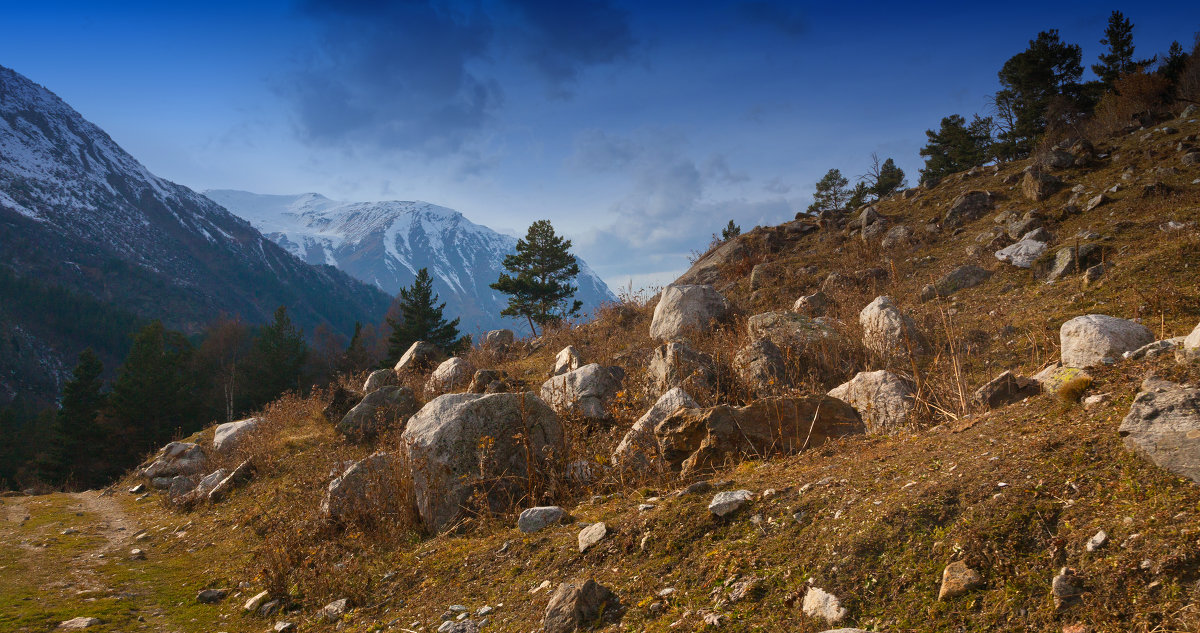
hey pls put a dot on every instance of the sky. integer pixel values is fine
(638, 128)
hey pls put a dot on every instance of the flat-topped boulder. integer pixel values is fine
(1097, 339)
(883, 399)
(381, 410)
(227, 436)
(452, 375)
(420, 357)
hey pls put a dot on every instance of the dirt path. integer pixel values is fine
(114, 525)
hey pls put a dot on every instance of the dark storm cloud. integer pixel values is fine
(411, 75)
(779, 16)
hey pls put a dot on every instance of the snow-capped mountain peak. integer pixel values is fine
(386, 243)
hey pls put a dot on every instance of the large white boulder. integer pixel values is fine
(498, 338)
(381, 410)
(419, 357)
(586, 390)
(461, 443)
(639, 449)
(682, 308)
(1095, 339)
(887, 330)
(1190, 349)
(1023, 253)
(453, 374)
(883, 399)
(227, 435)
(369, 487)
(177, 459)
(1163, 426)
(378, 379)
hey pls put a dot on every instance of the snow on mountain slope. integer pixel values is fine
(79, 214)
(386, 243)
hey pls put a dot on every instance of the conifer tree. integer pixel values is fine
(79, 439)
(539, 277)
(889, 179)
(1030, 81)
(274, 363)
(832, 194)
(154, 397)
(1117, 60)
(955, 147)
(730, 231)
(421, 318)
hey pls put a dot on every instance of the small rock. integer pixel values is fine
(76, 624)
(257, 601)
(535, 519)
(138, 489)
(958, 579)
(820, 604)
(334, 611)
(591, 535)
(211, 596)
(283, 627)
(730, 501)
(577, 604)
(137, 554)
(1066, 588)
(1097, 541)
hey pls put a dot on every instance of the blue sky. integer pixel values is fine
(638, 128)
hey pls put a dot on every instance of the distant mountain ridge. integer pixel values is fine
(386, 243)
(80, 215)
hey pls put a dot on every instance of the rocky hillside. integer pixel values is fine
(91, 240)
(968, 407)
(386, 243)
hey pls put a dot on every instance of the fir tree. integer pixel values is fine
(421, 318)
(1117, 60)
(539, 277)
(154, 397)
(274, 363)
(889, 179)
(955, 147)
(730, 231)
(79, 438)
(831, 194)
(1173, 63)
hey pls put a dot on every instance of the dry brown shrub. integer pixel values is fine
(1135, 98)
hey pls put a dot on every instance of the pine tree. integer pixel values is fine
(1117, 60)
(154, 397)
(79, 438)
(730, 231)
(1173, 63)
(955, 147)
(539, 277)
(1030, 81)
(274, 363)
(889, 179)
(421, 318)
(831, 194)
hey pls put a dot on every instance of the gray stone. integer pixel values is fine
(76, 624)
(1005, 389)
(585, 391)
(1070, 260)
(1154, 350)
(368, 488)
(1096, 339)
(761, 367)
(465, 625)
(888, 331)
(227, 435)
(591, 535)
(814, 305)
(960, 278)
(1022, 254)
(380, 378)
(823, 605)
(969, 206)
(676, 364)
(462, 443)
(1189, 350)
(790, 332)
(536, 519)
(1038, 185)
(177, 458)
(682, 308)
(1163, 426)
(566, 360)
(210, 481)
(576, 605)
(253, 604)
(729, 501)
(958, 579)
(896, 236)
(498, 338)
(452, 375)
(211, 596)
(639, 448)
(1053, 378)
(1099, 540)
(384, 409)
(1059, 159)
(1066, 588)
(488, 381)
(883, 399)
(239, 476)
(420, 357)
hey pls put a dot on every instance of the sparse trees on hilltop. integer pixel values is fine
(730, 231)
(538, 281)
(831, 194)
(956, 146)
(1030, 81)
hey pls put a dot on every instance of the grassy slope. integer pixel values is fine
(881, 518)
